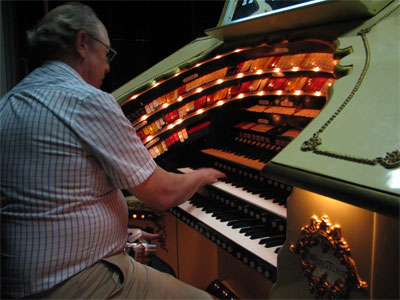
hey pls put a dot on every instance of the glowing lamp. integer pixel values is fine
(277, 118)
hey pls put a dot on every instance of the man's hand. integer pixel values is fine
(149, 236)
(136, 234)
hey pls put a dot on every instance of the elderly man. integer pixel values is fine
(66, 152)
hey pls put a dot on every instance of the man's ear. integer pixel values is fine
(81, 44)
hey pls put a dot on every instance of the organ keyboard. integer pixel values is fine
(257, 196)
(246, 106)
(236, 218)
(232, 234)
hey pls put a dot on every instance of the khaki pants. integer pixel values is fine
(121, 277)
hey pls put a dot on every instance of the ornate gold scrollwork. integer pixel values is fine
(326, 260)
(391, 160)
(311, 144)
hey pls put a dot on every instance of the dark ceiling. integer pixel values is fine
(142, 32)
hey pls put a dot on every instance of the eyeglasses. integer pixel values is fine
(111, 52)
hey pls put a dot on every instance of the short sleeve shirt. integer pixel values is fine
(66, 151)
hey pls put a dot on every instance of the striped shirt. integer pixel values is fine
(66, 151)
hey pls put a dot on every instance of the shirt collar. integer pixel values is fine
(63, 68)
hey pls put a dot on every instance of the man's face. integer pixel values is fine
(98, 65)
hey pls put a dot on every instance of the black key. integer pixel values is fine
(273, 241)
(258, 235)
(219, 214)
(241, 224)
(230, 218)
(254, 228)
(240, 221)
(208, 210)
(267, 196)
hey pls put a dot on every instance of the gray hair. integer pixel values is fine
(54, 36)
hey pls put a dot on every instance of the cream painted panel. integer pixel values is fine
(369, 126)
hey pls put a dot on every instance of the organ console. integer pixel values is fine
(291, 104)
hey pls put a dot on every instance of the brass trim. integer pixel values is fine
(320, 232)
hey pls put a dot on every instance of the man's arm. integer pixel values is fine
(163, 190)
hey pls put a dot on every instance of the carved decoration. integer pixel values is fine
(326, 260)
(314, 144)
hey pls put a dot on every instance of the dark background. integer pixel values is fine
(142, 32)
